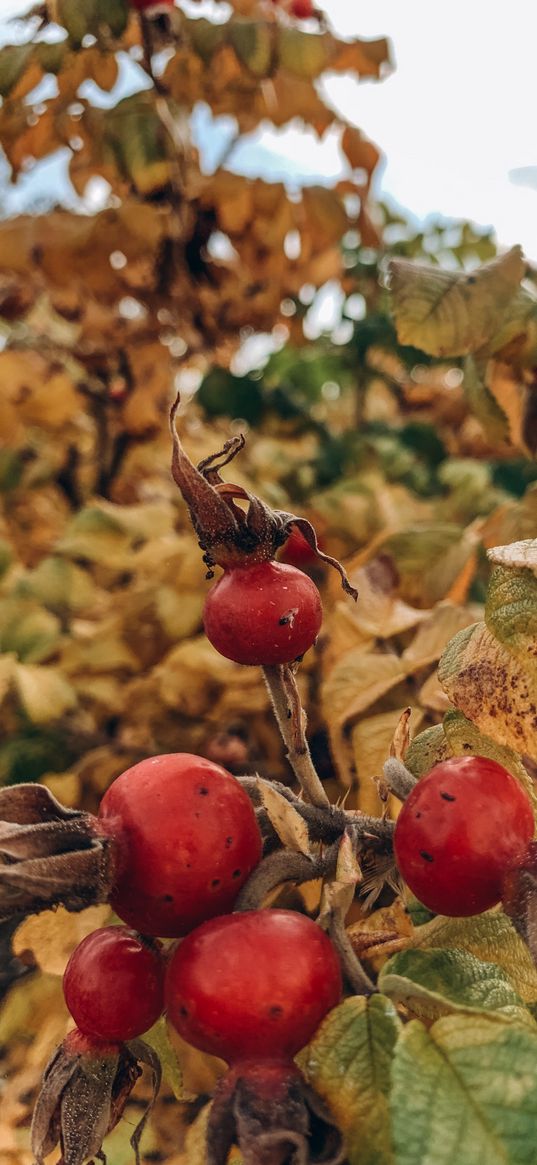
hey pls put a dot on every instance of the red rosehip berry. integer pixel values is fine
(297, 551)
(144, 5)
(463, 826)
(266, 614)
(253, 986)
(302, 9)
(114, 985)
(187, 840)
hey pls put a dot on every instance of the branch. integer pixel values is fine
(399, 780)
(285, 866)
(290, 717)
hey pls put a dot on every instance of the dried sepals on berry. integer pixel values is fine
(49, 855)
(274, 1118)
(85, 1088)
(229, 535)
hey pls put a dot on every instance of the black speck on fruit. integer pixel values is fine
(167, 897)
(275, 1011)
(426, 857)
(418, 815)
(183, 1011)
(203, 792)
(215, 883)
(448, 797)
(229, 842)
(236, 874)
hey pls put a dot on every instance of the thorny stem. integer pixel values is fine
(285, 866)
(357, 978)
(327, 823)
(289, 715)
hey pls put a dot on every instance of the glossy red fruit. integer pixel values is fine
(143, 5)
(253, 986)
(187, 839)
(114, 985)
(462, 828)
(297, 551)
(302, 9)
(266, 614)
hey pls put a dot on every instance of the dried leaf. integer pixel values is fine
(289, 825)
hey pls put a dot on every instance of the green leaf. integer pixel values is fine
(465, 1091)
(13, 61)
(426, 750)
(428, 557)
(27, 630)
(484, 404)
(59, 584)
(252, 41)
(157, 1038)
(511, 612)
(97, 537)
(348, 1063)
(448, 313)
(492, 938)
(438, 981)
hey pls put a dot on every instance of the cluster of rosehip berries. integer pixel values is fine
(249, 987)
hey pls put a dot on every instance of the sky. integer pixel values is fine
(455, 120)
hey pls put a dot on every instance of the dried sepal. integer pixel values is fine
(228, 534)
(49, 855)
(274, 1117)
(84, 1091)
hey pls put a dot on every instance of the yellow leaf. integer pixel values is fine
(488, 685)
(371, 740)
(46, 695)
(448, 313)
(356, 681)
(434, 633)
(289, 825)
(53, 935)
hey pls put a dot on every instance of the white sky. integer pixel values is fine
(454, 119)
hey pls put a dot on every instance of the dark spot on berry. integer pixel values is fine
(448, 797)
(229, 842)
(188, 865)
(167, 897)
(236, 874)
(197, 815)
(275, 1011)
(426, 857)
(183, 1011)
(418, 814)
(215, 883)
(203, 792)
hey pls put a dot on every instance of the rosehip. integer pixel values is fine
(265, 614)
(253, 986)
(463, 826)
(297, 551)
(302, 9)
(114, 985)
(187, 839)
(143, 5)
